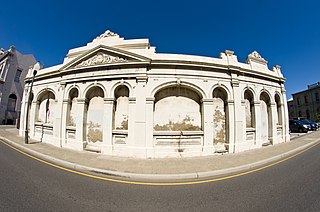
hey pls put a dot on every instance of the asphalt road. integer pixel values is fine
(29, 185)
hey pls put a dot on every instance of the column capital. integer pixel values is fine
(257, 103)
(142, 79)
(81, 100)
(230, 102)
(63, 84)
(150, 100)
(235, 83)
(273, 104)
(207, 101)
(132, 99)
(109, 100)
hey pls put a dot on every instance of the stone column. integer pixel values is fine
(285, 120)
(33, 117)
(23, 114)
(140, 117)
(107, 126)
(131, 121)
(274, 138)
(238, 114)
(282, 136)
(58, 116)
(208, 132)
(257, 112)
(81, 121)
(230, 125)
(65, 111)
(149, 127)
(244, 122)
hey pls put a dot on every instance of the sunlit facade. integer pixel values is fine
(120, 97)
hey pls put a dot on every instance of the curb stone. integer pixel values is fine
(164, 177)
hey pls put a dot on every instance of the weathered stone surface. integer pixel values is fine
(120, 97)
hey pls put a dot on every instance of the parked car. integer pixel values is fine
(298, 126)
(314, 126)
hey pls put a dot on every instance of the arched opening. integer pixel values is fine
(249, 109)
(278, 117)
(45, 116)
(249, 116)
(46, 108)
(94, 115)
(121, 108)
(12, 101)
(220, 119)
(177, 108)
(72, 107)
(266, 130)
(279, 110)
(11, 115)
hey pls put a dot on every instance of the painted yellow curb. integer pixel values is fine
(161, 183)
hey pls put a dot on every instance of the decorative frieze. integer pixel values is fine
(100, 59)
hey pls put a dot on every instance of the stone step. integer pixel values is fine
(92, 148)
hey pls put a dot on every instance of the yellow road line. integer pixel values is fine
(160, 183)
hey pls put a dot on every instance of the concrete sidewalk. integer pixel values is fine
(159, 169)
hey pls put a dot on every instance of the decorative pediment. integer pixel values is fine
(100, 59)
(255, 57)
(103, 56)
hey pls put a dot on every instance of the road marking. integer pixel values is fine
(160, 183)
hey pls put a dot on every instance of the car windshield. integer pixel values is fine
(304, 121)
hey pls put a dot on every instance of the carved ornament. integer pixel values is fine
(106, 34)
(100, 59)
(255, 54)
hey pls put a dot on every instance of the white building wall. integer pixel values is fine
(145, 75)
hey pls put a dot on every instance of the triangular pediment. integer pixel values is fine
(104, 56)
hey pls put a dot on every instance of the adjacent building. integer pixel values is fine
(13, 70)
(120, 97)
(306, 103)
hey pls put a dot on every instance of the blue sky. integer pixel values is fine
(286, 33)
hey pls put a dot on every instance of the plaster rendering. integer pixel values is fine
(120, 97)
(13, 69)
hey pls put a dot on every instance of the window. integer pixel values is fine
(317, 96)
(3, 71)
(298, 101)
(306, 99)
(12, 103)
(17, 77)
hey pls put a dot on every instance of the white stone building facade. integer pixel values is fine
(120, 97)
